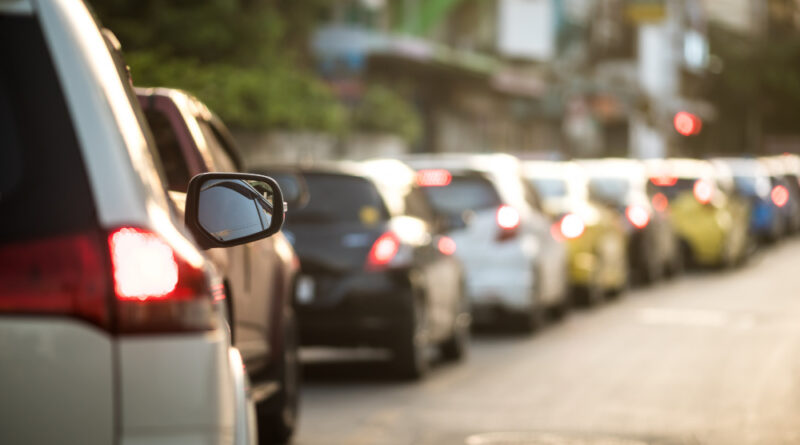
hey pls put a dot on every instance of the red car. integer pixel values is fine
(259, 277)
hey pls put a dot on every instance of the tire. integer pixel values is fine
(456, 347)
(409, 353)
(277, 416)
(587, 296)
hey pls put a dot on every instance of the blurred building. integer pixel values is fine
(445, 57)
(578, 77)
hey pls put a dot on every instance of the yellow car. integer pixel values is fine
(595, 237)
(709, 216)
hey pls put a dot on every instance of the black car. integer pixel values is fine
(374, 270)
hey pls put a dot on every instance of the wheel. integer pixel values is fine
(591, 293)
(410, 350)
(277, 416)
(456, 347)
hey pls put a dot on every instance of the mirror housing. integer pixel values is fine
(229, 209)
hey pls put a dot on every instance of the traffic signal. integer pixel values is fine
(687, 124)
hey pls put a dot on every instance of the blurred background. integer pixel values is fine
(560, 78)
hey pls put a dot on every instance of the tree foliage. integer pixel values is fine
(239, 56)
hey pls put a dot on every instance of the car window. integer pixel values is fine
(417, 205)
(610, 189)
(470, 192)
(532, 196)
(222, 161)
(339, 198)
(550, 187)
(173, 161)
(41, 167)
(671, 191)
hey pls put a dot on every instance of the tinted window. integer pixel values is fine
(43, 184)
(671, 191)
(339, 198)
(463, 193)
(550, 187)
(417, 205)
(169, 150)
(610, 189)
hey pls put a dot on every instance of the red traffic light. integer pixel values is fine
(687, 123)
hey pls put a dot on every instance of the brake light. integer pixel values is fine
(130, 281)
(664, 181)
(638, 216)
(507, 217)
(155, 288)
(383, 251)
(572, 226)
(144, 265)
(702, 191)
(434, 178)
(446, 245)
(660, 202)
(779, 195)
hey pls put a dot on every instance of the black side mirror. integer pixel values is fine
(228, 209)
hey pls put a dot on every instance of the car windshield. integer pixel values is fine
(550, 187)
(337, 198)
(610, 189)
(463, 193)
(672, 191)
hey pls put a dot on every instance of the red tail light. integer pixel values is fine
(446, 245)
(508, 220)
(144, 265)
(144, 286)
(703, 191)
(507, 217)
(638, 216)
(156, 289)
(383, 251)
(64, 275)
(572, 226)
(779, 195)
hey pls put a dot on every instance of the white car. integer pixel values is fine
(112, 324)
(514, 266)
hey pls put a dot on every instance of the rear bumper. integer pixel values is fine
(56, 382)
(64, 381)
(501, 278)
(363, 309)
(177, 389)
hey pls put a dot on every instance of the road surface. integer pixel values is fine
(709, 358)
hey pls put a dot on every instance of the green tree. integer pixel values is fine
(240, 57)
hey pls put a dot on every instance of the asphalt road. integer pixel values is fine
(709, 358)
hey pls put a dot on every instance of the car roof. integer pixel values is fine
(552, 169)
(478, 162)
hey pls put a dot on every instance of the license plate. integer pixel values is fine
(305, 289)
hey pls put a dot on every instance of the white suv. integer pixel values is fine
(112, 328)
(514, 266)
